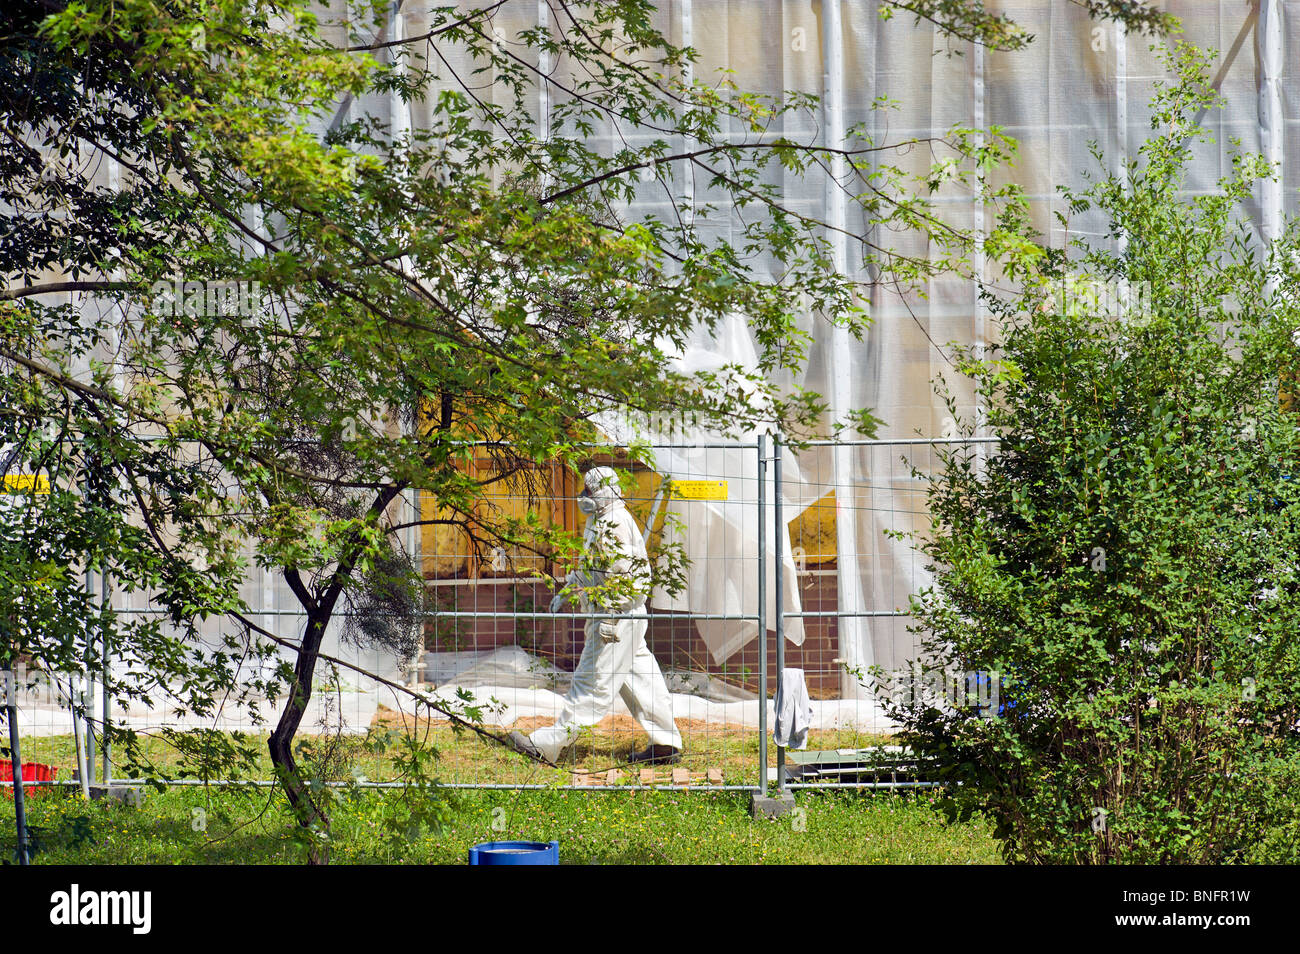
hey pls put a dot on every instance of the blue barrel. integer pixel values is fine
(515, 853)
(979, 686)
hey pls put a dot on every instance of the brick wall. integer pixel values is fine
(673, 639)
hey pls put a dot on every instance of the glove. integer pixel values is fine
(608, 631)
(557, 601)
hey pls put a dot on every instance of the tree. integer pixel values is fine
(1124, 567)
(468, 287)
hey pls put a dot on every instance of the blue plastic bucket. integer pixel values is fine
(979, 685)
(515, 853)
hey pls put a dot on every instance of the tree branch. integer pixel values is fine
(52, 288)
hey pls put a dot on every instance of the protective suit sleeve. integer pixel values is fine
(615, 566)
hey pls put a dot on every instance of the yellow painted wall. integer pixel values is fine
(446, 549)
(814, 531)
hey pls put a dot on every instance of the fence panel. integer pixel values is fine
(837, 577)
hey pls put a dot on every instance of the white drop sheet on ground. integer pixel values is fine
(350, 707)
(523, 686)
(516, 703)
(510, 684)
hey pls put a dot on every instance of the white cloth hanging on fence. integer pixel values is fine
(794, 711)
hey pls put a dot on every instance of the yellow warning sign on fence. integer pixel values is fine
(699, 490)
(26, 484)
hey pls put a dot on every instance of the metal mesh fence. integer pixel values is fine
(838, 578)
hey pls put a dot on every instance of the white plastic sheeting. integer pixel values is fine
(510, 684)
(1080, 81)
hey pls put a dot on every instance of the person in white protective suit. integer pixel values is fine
(613, 577)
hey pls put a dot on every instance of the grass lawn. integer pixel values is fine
(466, 758)
(645, 827)
(215, 825)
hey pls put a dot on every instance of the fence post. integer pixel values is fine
(76, 701)
(763, 805)
(762, 614)
(16, 759)
(106, 605)
(85, 723)
(778, 559)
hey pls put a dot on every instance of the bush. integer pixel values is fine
(1128, 561)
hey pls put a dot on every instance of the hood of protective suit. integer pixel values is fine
(602, 484)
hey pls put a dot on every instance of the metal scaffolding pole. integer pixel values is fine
(854, 634)
(1268, 46)
(981, 260)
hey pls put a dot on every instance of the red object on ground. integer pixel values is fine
(32, 772)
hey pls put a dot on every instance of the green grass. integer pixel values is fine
(464, 757)
(253, 825)
(645, 827)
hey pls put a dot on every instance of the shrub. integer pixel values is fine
(1128, 560)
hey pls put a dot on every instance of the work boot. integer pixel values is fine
(524, 746)
(656, 755)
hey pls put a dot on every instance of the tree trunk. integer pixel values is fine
(305, 809)
(319, 611)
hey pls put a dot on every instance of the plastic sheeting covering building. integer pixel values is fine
(1079, 81)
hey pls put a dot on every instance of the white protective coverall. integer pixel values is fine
(613, 577)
